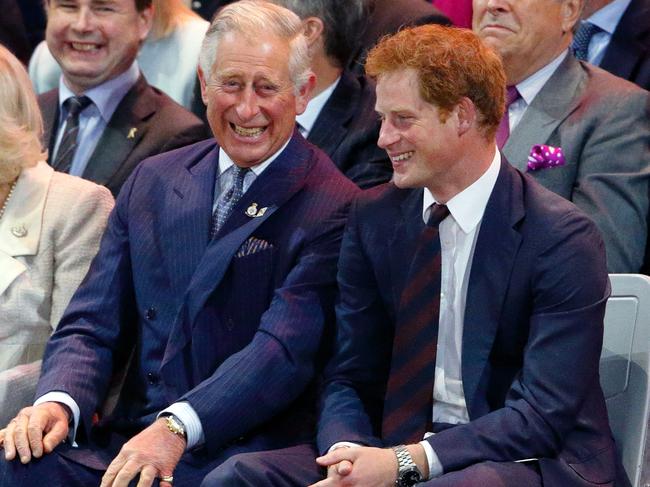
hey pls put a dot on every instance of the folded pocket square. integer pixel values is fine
(544, 156)
(251, 246)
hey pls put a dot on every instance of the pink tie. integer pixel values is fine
(503, 132)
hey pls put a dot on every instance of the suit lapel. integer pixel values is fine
(273, 188)
(496, 247)
(125, 129)
(186, 233)
(330, 127)
(49, 104)
(403, 242)
(557, 99)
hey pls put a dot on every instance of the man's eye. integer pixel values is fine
(267, 88)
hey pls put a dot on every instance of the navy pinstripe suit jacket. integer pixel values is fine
(237, 326)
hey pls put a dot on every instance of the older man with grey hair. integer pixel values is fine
(578, 130)
(212, 292)
(340, 117)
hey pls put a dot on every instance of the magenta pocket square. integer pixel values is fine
(543, 156)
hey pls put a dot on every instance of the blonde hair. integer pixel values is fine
(168, 15)
(21, 125)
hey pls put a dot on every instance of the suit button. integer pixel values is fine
(230, 324)
(196, 5)
(152, 378)
(150, 314)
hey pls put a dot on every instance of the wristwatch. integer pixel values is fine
(408, 473)
(175, 425)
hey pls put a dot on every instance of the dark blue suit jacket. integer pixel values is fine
(347, 129)
(235, 326)
(531, 340)
(628, 52)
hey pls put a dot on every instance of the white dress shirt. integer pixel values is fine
(529, 88)
(307, 119)
(182, 410)
(607, 18)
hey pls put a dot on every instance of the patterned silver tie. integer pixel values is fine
(228, 201)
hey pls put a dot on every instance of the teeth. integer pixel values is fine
(403, 157)
(249, 132)
(84, 47)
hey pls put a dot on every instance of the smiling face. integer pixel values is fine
(250, 98)
(528, 34)
(95, 40)
(423, 149)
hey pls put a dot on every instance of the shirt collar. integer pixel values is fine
(314, 107)
(225, 162)
(468, 206)
(532, 85)
(107, 95)
(607, 18)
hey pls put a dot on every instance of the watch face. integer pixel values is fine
(410, 477)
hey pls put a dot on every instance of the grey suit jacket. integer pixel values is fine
(602, 123)
(146, 122)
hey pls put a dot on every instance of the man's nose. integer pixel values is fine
(248, 106)
(84, 20)
(387, 135)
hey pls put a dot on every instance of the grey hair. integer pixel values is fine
(343, 20)
(254, 17)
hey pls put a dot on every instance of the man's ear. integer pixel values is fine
(313, 29)
(304, 95)
(204, 85)
(570, 14)
(145, 22)
(465, 112)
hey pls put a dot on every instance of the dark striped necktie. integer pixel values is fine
(68, 146)
(409, 393)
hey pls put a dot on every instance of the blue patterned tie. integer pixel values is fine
(68, 145)
(228, 201)
(582, 39)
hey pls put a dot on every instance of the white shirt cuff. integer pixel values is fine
(193, 428)
(435, 467)
(342, 444)
(64, 398)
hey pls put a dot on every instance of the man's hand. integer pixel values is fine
(152, 453)
(370, 467)
(35, 430)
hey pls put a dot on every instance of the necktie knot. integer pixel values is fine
(76, 104)
(437, 214)
(512, 95)
(582, 39)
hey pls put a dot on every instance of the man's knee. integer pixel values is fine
(239, 470)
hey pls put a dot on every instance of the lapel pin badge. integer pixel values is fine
(19, 231)
(132, 132)
(253, 212)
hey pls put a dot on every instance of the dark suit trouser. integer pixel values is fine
(296, 467)
(56, 470)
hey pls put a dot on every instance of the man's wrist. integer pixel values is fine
(174, 425)
(419, 458)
